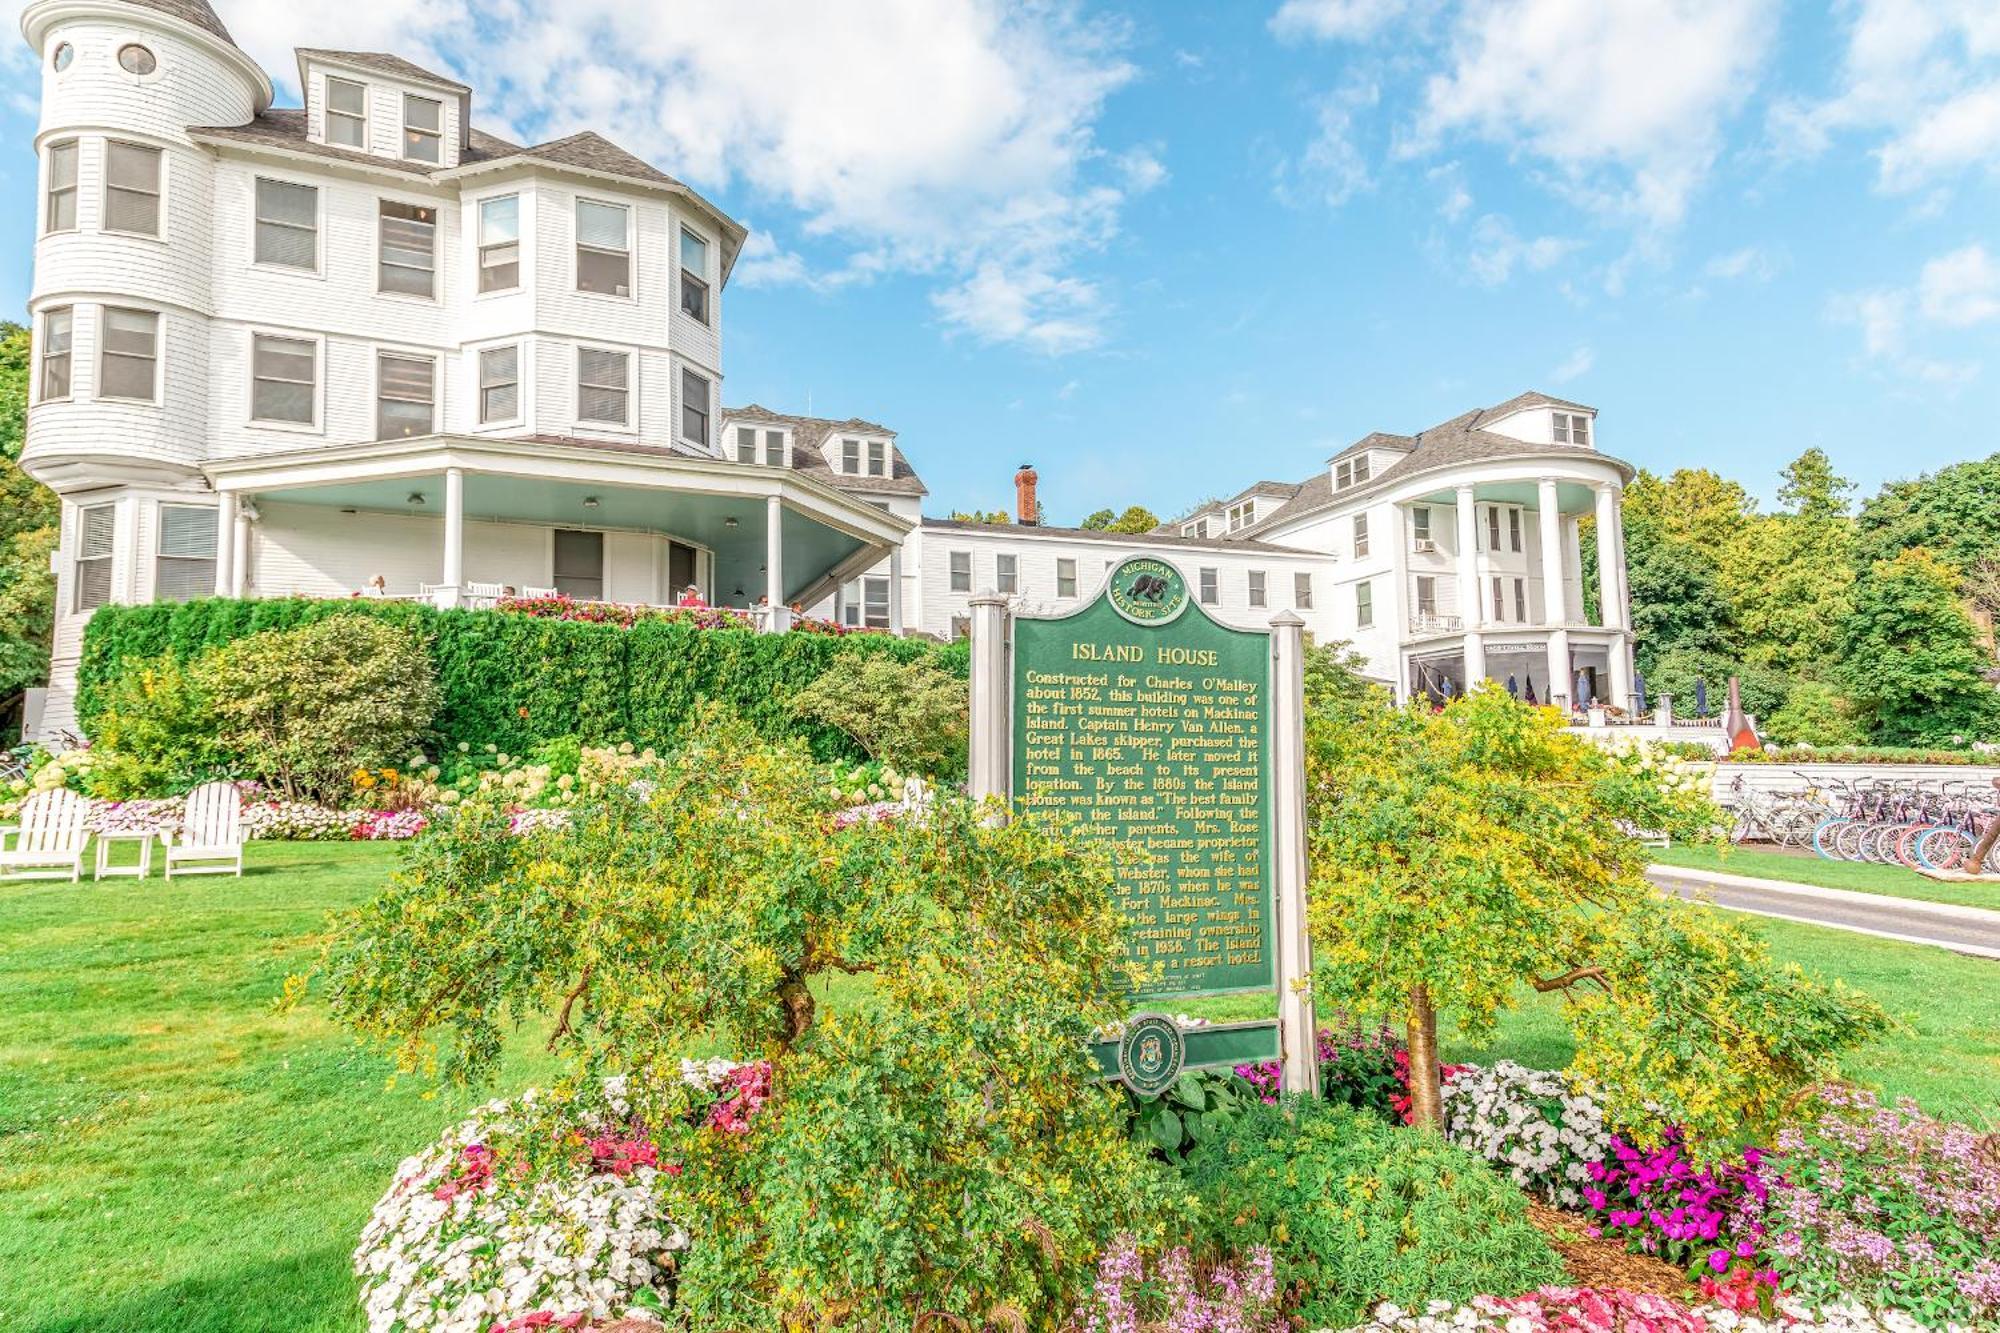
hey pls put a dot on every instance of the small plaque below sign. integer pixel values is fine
(1151, 1054)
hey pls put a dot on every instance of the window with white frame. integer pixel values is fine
(1360, 536)
(287, 224)
(1521, 601)
(694, 406)
(603, 385)
(1350, 472)
(1241, 514)
(1302, 591)
(423, 128)
(130, 363)
(131, 188)
(1427, 595)
(1257, 587)
(406, 249)
(1572, 428)
(774, 448)
(1499, 605)
(1208, 586)
(1420, 528)
(866, 603)
(603, 248)
(1065, 577)
(61, 212)
(499, 384)
(500, 243)
(185, 566)
(1198, 528)
(58, 326)
(1493, 527)
(1364, 604)
(961, 571)
(755, 446)
(1513, 529)
(878, 458)
(746, 444)
(405, 395)
(346, 113)
(850, 457)
(1007, 573)
(694, 276)
(284, 379)
(96, 529)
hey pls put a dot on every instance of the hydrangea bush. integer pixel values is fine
(1882, 1203)
(1536, 1126)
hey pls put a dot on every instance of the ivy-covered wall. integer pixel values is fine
(516, 680)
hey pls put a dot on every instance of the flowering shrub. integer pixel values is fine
(1594, 1310)
(524, 1210)
(1660, 1202)
(148, 816)
(389, 825)
(1131, 1295)
(624, 614)
(1882, 1203)
(297, 821)
(1357, 1068)
(44, 771)
(557, 775)
(1534, 1125)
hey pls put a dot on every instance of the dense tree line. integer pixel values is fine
(29, 515)
(1844, 624)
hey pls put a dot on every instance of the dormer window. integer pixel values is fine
(1242, 514)
(347, 113)
(878, 458)
(1572, 428)
(1198, 528)
(423, 128)
(1350, 472)
(755, 446)
(850, 457)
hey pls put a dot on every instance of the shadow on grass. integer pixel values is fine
(301, 1294)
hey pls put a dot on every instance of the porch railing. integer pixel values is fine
(1430, 622)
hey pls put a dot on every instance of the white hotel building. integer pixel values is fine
(306, 351)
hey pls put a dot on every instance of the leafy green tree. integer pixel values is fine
(1677, 670)
(913, 716)
(29, 519)
(1693, 506)
(1954, 513)
(1813, 714)
(999, 518)
(1677, 601)
(1812, 490)
(1912, 659)
(938, 1148)
(1789, 580)
(1135, 519)
(1460, 856)
(1098, 520)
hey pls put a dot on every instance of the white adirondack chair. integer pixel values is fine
(211, 836)
(48, 843)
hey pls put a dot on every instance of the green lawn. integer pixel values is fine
(176, 1156)
(1808, 868)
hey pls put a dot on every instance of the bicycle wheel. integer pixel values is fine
(1906, 844)
(1848, 841)
(1944, 847)
(1825, 838)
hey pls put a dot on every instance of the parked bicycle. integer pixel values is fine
(1787, 819)
(1921, 823)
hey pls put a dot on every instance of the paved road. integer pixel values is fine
(1965, 930)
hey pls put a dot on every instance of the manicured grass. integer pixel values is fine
(1807, 868)
(1947, 1056)
(176, 1155)
(173, 1153)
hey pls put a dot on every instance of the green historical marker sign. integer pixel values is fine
(1149, 723)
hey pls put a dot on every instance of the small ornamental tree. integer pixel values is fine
(936, 1147)
(1458, 857)
(913, 716)
(1912, 657)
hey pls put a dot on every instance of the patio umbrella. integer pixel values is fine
(1583, 698)
(1701, 696)
(1531, 690)
(1639, 687)
(1513, 688)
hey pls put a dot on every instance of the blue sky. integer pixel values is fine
(1164, 250)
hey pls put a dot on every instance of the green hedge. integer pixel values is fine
(516, 680)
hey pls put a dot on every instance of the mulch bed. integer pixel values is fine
(1593, 1261)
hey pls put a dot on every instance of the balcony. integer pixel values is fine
(1430, 622)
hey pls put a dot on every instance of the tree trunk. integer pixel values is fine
(797, 998)
(1426, 1087)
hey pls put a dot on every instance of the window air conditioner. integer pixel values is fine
(1427, 545)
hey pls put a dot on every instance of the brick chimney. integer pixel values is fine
(1026, 511)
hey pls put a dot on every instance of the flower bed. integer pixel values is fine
(1572, 1310)
(1534, 1125)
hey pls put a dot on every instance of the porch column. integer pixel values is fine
(1468, 561)
(1621, 674)
(454, 537)
(896, 590)
(225, 544)
(239, 553)
(1559, 682)
(1554, 610)
(774, 564)
(1610, 613)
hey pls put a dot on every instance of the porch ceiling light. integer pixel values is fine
(590, 502)
(728, 522)
(416, 497)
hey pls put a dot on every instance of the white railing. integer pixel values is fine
(1429, 622)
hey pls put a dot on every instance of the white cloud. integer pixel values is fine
(1497, 251)
(1625, 101)
(1750, 263)
(1141, 169)
(1335, 20)
(1457, 198)
(1332, 169)
(1922, 74)
(1961, 288)
(951, 138)
(1576, 364)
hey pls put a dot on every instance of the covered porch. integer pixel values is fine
(465, 522)
(1568, 669)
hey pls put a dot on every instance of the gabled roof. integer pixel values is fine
(591, 151)
(809, 436)
(384, 63)
(1376, 440)
(286, 129)
(196, 12)
(1155, 538)
(1529, 399)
